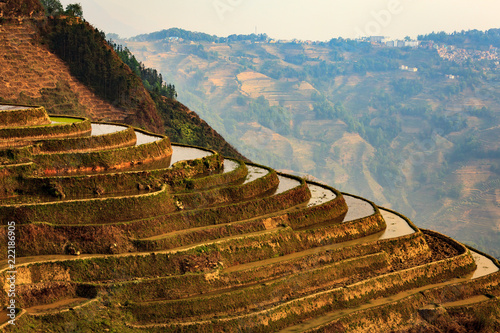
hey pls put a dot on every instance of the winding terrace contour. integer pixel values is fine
(117, 223)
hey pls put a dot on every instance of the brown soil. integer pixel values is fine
(440, 250)
(27, 67)
(56, 306)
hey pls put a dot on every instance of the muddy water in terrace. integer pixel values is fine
(13, 107)
(319, 195)
(101, 129)
(396, 225)
(286, 183)
(181, 153)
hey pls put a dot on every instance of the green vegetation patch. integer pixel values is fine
(92, 211)
(64, 119)
(105, 159)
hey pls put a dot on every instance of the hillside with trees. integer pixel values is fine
(67, 65)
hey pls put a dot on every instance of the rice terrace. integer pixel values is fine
(109, 227)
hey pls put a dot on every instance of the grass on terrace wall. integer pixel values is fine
(84, 185)
(230, 252)
(81, 128)
(84, 144)
(92, 211)
(105, 159)
(29, 295)
(330, 211)
(35, 115)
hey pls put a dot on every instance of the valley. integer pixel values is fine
(350, 114)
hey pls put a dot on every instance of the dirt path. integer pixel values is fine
(56, 306)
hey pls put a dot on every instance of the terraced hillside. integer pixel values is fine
(43, 63)
(28, 68)
(117, 229)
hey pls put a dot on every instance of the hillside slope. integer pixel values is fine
(31, 73)
(355, 115)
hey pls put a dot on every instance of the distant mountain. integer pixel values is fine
(105, 233)
(176, 33)
(420, 126)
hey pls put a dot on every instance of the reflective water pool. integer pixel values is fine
(101, 129)
(146, 138)
(485, 265)
(181, 153)
(319, 195)
(396, 225)
(254, 173)
(230, 165)
(357, 208)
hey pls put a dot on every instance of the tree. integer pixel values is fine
(52, 7)
(74, 9)
(16, 8)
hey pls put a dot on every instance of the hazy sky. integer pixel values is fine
(287, 19)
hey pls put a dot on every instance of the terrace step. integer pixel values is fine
(18, 116)
(261, 295)
(226, 253)
(298, 308)
(267, 184)
(323, 323)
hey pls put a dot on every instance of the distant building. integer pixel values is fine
(390, 43)
(408, 69)
(376, 39)
(411, 43)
